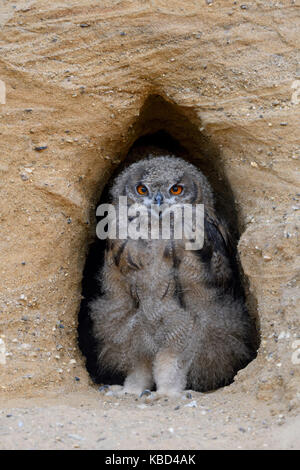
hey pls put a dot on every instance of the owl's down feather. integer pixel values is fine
(166, 316)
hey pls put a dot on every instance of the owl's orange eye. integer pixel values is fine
(142, 190)
(176, 189)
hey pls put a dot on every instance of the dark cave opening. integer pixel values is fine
(158, 135)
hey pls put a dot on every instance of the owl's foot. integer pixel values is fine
(110, 389)
(147, 395)
(119, 390)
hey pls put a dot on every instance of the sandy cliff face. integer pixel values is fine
(82, 80)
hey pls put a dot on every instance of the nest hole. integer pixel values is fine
(161, 126)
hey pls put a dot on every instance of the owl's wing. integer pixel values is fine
(218, 235)
(218, 254)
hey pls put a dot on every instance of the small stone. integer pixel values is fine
(76, 437)
(254, 164)
(281, 419)
(84, 25)
(39, 148)
(283, 123)
(192, 404)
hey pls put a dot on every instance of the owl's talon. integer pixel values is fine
(111, 390)
(146, 393)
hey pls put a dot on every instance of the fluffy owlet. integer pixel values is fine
(167, 316)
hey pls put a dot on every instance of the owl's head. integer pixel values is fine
(162, 180)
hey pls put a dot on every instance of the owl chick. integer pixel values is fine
(168, 316)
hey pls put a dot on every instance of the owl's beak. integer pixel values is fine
(158, 198)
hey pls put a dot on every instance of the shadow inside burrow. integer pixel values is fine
(160, 129)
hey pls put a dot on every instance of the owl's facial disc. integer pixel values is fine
(154, 184)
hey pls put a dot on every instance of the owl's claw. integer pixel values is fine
(146, 393)
(156, 396)
(111, 390)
